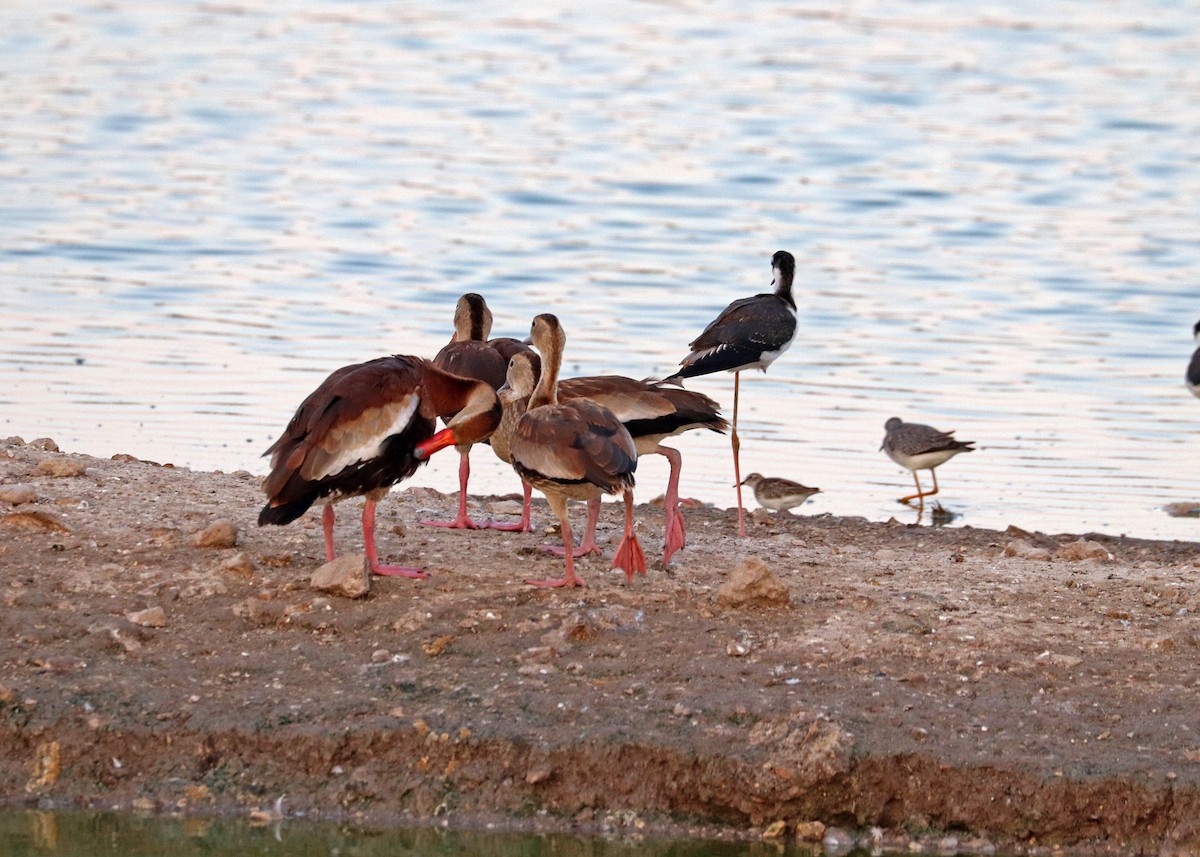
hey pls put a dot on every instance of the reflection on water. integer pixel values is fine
(82, 834)
(205, 208)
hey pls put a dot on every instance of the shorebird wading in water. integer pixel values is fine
(920, 447)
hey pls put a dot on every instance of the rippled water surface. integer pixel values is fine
(206, 207)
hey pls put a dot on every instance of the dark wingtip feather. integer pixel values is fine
(284, 513)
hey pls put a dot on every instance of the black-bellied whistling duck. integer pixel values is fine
(523, 371)
(470, 355)
(915, 446)
(574, 450)
(365, 428)
(750, 333)
(651, 412)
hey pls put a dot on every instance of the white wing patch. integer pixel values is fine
(360, 440)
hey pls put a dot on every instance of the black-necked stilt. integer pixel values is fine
(750, 333)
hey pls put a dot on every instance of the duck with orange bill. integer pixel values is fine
(361, 431)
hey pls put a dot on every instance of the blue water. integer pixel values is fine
(206, 207)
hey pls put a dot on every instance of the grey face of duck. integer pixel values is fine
(523, 372)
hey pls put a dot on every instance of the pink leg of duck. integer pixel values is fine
(674, 536)
(525, 525)
(629, 555)
(368, 522)
(559, 505)
(461, 521)
(587, 545)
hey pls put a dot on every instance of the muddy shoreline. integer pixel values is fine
(871, 683)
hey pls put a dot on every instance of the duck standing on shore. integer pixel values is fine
(365, 428)
(574, 450)
(470, 354)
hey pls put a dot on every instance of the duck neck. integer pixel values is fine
(479, 416)
(546, 391)
(472, 319)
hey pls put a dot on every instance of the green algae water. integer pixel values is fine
(32, 833)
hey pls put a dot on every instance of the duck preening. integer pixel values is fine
(367, 427)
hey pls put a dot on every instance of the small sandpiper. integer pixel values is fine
(771, 492)
(1193, 370)
(920, 447)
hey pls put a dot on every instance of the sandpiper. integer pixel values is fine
(920, 447)
(782, 495)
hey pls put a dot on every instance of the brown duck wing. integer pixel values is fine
(473, 359)
(353, 434)
(626, 398)
(575, 443)
(648, 409)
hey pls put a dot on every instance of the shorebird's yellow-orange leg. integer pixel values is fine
(921, 495)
